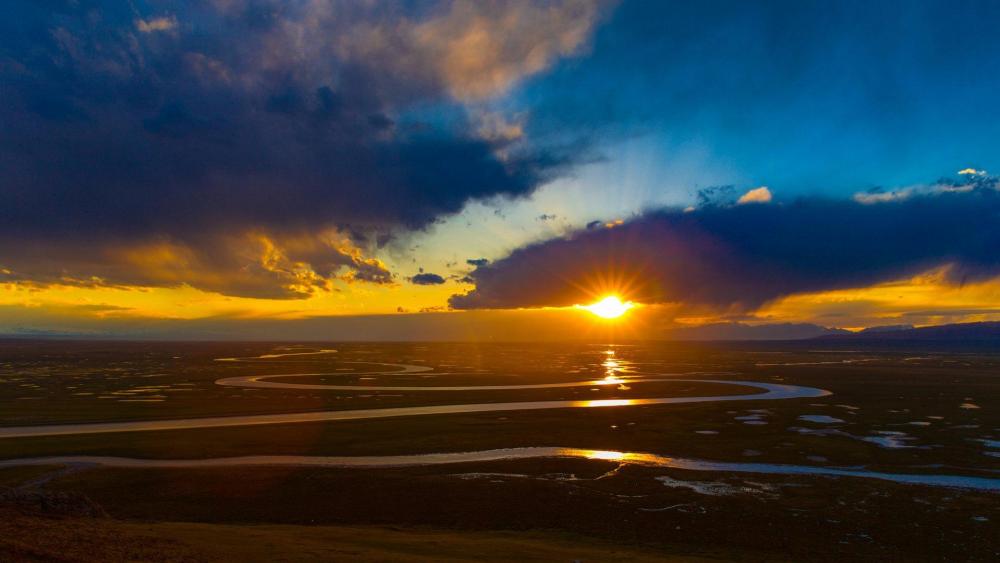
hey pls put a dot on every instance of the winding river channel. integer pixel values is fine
(766, 391)
(763, 392)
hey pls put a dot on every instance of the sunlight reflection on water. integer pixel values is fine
(606, 403)
(636, 458)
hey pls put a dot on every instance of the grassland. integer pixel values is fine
(939, 408)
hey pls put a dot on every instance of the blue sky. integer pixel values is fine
(802, 96)
(807, 98)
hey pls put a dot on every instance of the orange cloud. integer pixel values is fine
(253, 264)
(756, 195)
(927, 299)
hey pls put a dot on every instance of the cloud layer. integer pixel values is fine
(739, 257)
(202, 125)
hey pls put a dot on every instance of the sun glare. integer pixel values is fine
(609, 308)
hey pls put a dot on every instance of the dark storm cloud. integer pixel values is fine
(426, 278)
(196, 121)
(110, 129)
(742, 256)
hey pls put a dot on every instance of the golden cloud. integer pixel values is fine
(252, 264)
(756, 195)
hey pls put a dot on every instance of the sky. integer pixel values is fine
(475, 169)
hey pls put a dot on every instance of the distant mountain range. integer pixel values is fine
(961, 332)
(511, 327)
(885, 328)
(740, 331)
(979, 332)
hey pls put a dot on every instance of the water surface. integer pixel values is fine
(633, 458)
(771, 391)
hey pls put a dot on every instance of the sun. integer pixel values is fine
(609, 308)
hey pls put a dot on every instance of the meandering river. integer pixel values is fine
(763, 392)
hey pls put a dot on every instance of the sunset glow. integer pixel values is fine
(467, 193)
(348, 275)
(611, 307)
